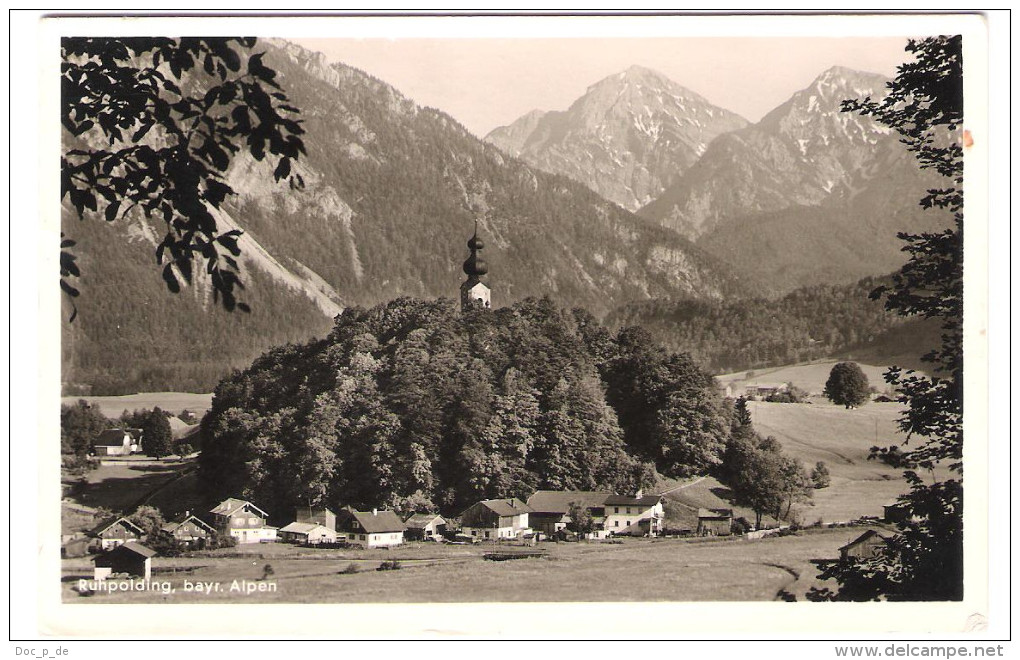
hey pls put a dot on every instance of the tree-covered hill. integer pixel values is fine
(806, 324)
(414, 405)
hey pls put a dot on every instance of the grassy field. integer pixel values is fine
(634, 570)
(120, 486)
(175, 402)
(809, 377)
(841, 438)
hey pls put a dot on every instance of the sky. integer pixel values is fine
(486, 83)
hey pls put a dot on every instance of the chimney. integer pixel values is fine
(639, 494)
(375, 512)
(187, 514)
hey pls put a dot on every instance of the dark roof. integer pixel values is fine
(111, 438)
(377, 522)
(630, 500)
(422, 520)
(180, 520)
(862, 538)
(131, 547)
(558, 501)
(110, 522)
(510, 506)
(715, 513)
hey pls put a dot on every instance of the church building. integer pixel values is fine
(474, 292)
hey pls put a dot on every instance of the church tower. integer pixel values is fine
(474, 292)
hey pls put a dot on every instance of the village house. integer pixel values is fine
(634, 515)
(496, 519)
(116, 531)
(715, 522)
(867, 545)
(118, 442)
(370, 529)
(130, 558)
(307, 532)
(188, 529)
(319, 515)
(242, 520)
(764, 390)
(424, 527)
(549, 509)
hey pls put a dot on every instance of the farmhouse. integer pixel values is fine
(188, 529)
(370, 529)
(242, 520)
(319, 515)
(867, 545)
(131, 558)
(636, 515)
(307, 532)
(500, 519)
(424, 526)
(714, 522)
(116, 531)
(118, 442)
(763, 390)
(549, 509)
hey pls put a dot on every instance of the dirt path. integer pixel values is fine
(784, 591)
(682, 486)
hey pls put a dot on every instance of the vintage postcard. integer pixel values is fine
(513, 326)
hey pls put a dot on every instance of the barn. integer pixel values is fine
(715, 522)
(867, 545)
(424, 527)
(131, 558)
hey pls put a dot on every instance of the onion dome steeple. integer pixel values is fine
(474, 292)
(475, 266)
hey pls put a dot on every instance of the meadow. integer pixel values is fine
(174, 402)
(731, 569)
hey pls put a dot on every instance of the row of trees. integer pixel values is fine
(81, 423)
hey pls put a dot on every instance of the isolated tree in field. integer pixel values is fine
(80, 424)
(151, 127)
(157, 438)
(847, 385)
(581, 521)
(924, 561)
(820, 475)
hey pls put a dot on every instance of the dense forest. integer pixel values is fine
(809, 323)
(413, 405)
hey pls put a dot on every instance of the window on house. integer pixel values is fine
(628, 509)
(362, 537)
(616, 509)
(616, 523)
(486, 535)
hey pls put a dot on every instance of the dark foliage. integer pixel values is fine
(847, 385)
(924, 560)
(152, 125)
(80, 425)
(734, 335)
(157, 437)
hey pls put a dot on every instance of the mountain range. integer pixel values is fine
(629, 137)
(806, 195)
(392, 192)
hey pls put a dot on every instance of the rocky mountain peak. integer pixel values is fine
(627, 138)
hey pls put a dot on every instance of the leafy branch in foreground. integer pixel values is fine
(153, 124)
(924, 560)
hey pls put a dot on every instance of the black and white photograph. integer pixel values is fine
(579, 310)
